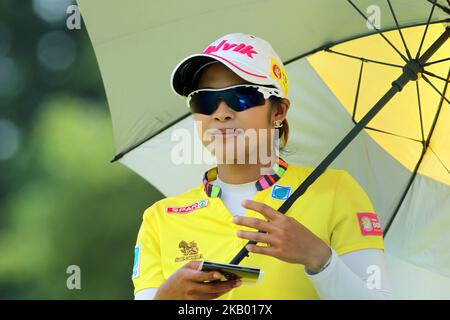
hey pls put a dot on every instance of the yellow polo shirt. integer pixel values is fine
(196, 225)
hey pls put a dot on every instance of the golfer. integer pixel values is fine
(328, 245)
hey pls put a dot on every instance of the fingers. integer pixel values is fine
(193, 274)
(211, 290)
(265, 210)
(208, 291)
(199, 285)
(217, 287)
(202, 276)
(255, 223)
(255, 236)
(260, 249)
(193, 264)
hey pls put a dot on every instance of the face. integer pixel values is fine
(234, 136)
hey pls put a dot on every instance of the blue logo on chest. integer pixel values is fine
(280, 192)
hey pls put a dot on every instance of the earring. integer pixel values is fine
(277, 124)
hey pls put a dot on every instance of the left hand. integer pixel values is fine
(287, 239)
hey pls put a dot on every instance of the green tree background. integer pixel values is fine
(62, 202)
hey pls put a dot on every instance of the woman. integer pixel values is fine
(328, 245)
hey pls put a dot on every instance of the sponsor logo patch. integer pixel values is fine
(369, 224)
(279, 74)
(280, 192)
(189, 208)
(189, 251)
(224, 45)
(137, 256)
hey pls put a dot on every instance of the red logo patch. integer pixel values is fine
(187, 209)
(369, 224)
(277, 71)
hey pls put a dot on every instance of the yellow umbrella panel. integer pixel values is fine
(414, 115)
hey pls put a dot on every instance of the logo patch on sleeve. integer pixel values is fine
(187, 209)
(137, 256)
(280, 192)
(369, 224)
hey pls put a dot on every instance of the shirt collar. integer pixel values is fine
(277, 170)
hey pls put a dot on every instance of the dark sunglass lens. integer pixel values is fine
(247, 97)
(204, 102)
(239, 99)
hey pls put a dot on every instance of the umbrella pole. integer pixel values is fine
(411, 72)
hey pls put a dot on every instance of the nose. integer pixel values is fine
(223, 112)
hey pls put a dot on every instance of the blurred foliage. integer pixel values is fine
(22, 30)
(62, 202)
(74, 209)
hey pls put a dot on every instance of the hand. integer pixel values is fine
(285, 237)
(188, 283)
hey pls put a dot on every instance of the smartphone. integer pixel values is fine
(248, 275)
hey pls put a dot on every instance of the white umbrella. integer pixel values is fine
(339, 67)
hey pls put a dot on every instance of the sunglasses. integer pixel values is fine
(239, 97)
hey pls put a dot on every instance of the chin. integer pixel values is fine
(231, 157)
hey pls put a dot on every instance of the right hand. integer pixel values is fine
(188, 283)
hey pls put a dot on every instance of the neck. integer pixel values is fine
(242, 173)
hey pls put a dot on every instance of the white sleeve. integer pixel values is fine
(146, 294)
(358, 275)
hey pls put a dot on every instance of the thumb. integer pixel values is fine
(194, 264)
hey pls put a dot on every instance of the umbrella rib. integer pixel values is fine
(333, 44)
(398, 28)
(425, 146)
(443, 164)
(446, 10)
(405, 192)
(426, 29)
(394, 134)
(377, 30)
(437, 61)
(441, 103)
(363, 59)
(121, 154)
(435, 76)
(436, 89)
(357, 90)
(419, 104)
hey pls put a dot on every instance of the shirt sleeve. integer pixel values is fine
(147, 268)
(359, 275)
(354, 223)
(146, 294)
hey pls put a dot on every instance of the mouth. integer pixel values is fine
(226, 133)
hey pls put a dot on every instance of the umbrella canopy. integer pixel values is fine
(339, 67)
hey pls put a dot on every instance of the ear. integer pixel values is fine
(280, 109)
